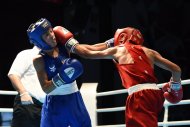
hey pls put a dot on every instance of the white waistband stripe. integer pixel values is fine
(140, 87)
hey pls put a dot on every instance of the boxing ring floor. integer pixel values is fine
(90, 95)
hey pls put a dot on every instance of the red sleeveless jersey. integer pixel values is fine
(138, 72)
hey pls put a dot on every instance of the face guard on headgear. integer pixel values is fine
(35, 32)
(128, 34)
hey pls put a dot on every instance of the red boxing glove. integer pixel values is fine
(65, 37)
(173, 92)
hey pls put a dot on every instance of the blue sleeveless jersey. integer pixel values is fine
(52, 65)
(62, 110)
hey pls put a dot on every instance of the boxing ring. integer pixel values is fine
(90, 95)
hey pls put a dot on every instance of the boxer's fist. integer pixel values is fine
(173, 92)
(69, 71)
(65, 37)
(110, 43)
(62, 34)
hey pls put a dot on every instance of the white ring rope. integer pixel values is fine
(114, 92)
(115, 109)
(2, 92)
(6, 110)
(171, 123)
(165, 122)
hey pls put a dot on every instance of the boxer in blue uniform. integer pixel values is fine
(64, 106)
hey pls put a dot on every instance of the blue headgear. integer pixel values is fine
(35, 32)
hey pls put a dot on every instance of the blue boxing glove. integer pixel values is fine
(69, 71)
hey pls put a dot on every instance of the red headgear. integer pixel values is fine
(128, 34)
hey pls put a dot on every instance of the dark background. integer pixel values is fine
(165, 25)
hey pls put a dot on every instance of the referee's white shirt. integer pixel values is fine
(23, 67)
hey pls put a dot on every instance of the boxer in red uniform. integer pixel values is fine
(135, 64)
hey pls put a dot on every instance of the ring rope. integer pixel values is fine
(115, 109)
(114, 92)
